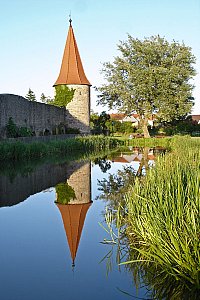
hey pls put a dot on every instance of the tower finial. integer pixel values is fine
(70, 20)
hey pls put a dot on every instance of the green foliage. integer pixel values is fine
(100, 123)
(30, 96)
(161, 216)
(24, 131)
(43, 98)
(150, 76)
(69, 130)
(186, 126)
(19, 150)
(65, 193)
(126, 127)
(11, 128)
(64, 95)
(94, 123)
(13, 131)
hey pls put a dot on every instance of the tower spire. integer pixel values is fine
(70, 20)
(71, 71)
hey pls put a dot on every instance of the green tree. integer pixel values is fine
(46, 99)
(103, 119)
(30, 96)
(43, 98)
(11, 128)
(94, 123)
(99, 123)
(151, 76)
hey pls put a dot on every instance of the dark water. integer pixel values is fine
(54, 251)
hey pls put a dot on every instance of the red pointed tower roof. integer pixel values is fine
(71, 71)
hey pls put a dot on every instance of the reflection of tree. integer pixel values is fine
(104, 164)
(116, 185)
(144, 161)
(64, 193)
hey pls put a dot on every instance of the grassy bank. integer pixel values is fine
(146, 142)
(161, 214)
(19, 150)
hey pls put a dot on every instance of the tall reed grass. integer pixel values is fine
(162, 213)
(19, 150)
(147, 142)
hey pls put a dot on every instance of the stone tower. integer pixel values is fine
(73, 76)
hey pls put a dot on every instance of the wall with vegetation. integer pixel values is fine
(39, 117)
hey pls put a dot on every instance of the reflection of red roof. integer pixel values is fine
(71, 71)
(73, 216)
(136, 159)
(120, 159)
(151, 157)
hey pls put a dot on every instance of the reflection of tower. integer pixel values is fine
(74, 213)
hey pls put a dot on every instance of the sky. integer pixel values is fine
(33, 35)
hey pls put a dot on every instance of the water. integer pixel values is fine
(54, 251)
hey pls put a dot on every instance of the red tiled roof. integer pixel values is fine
(71, 71)
(121, 116)
(117, 116)
(196, 118)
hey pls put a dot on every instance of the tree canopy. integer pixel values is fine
(151, 76)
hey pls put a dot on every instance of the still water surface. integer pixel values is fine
(54, 251)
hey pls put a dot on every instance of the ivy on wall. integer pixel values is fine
(63, 96)
(64, 193)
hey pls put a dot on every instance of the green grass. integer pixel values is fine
(19, 150)
(162, 214)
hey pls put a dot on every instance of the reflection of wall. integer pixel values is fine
(45, 176)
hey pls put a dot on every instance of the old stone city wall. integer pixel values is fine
(42, 119)
(39, 117)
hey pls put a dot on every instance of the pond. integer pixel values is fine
(50, 250)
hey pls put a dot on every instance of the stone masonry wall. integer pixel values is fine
(37, 116)
(78, 112)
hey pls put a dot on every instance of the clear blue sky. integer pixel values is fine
(33, 35)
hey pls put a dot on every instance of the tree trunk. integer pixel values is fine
(145, 128)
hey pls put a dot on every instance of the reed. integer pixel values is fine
(161, 214)
(147, 142)
(19, 150)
